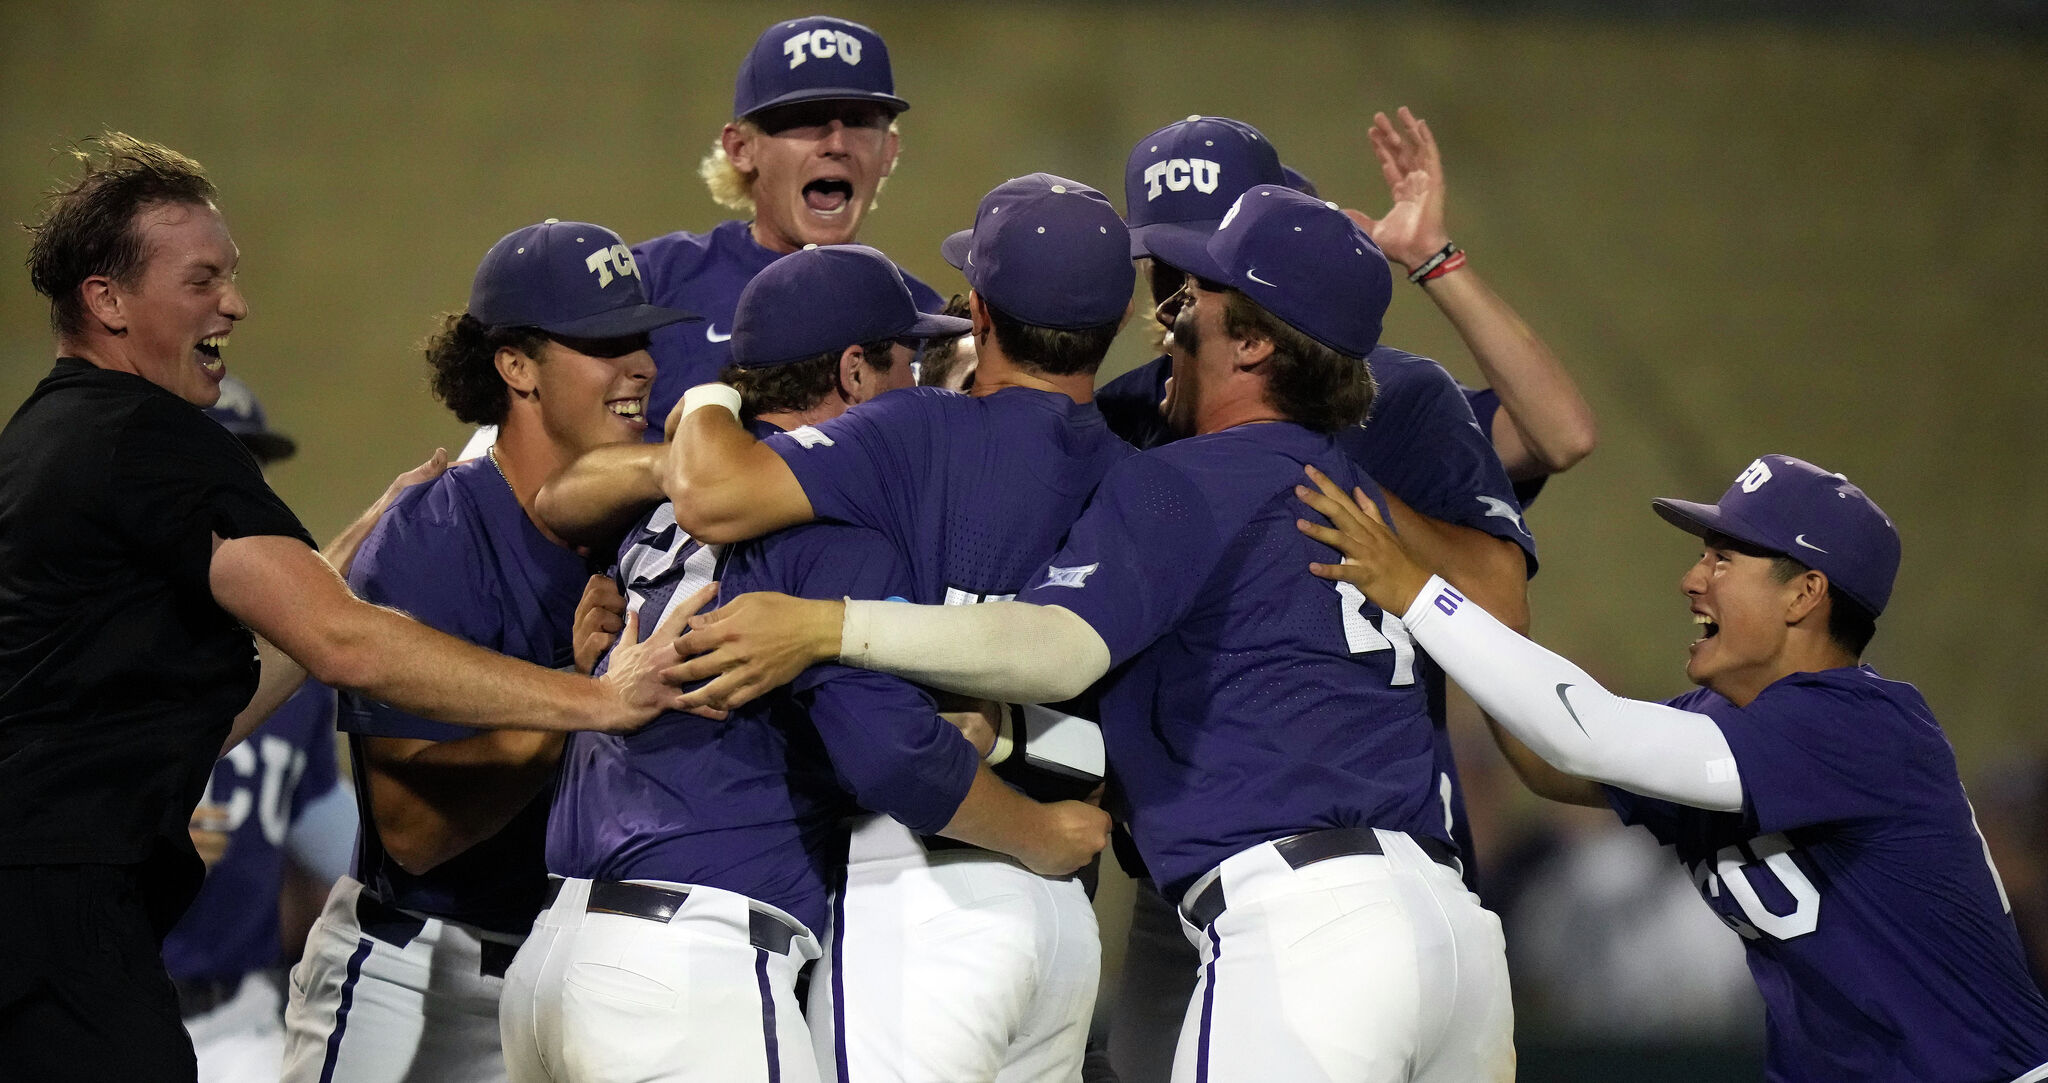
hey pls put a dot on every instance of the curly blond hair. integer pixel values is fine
(734, 190)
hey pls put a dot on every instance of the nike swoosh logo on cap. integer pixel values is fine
(1801, 540)
(711, 333)
(1561, 689)
(1254, 276)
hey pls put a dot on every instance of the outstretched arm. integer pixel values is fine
(1012, 652)
(1551, 705)
(1544, 425)
(727, 486)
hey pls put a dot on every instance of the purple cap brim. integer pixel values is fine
(1699, 520)
(832, 94)
(621, 322)
(933, 325)
(1187, 250)
(1141, 236)
(954, 248)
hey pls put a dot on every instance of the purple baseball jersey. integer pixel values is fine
(703, 273)
(1247, 699)
(758, 804)
(975, 492)
(263, 783)
(1877, 929)
(459, 554)
(1425, 445)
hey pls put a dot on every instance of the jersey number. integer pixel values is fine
(1362, 638)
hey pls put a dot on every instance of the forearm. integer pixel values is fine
(1490, 571)
(726, 485)
(596, 497)
(1554, 425)
(280, 677)
(390, 657)
(435, 799)
(1567, 718)
(1012, 652)
(1540, 777)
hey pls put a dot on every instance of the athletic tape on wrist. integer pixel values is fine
(711, 395)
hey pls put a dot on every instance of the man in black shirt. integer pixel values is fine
(139, 547)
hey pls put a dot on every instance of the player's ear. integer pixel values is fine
(737, 140)
(1806, 595)
(977, 314)
(1252, 352)
(517, 370)
(103, 303)
(853, 374)
(891, 144)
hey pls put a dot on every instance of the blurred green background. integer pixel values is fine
(1741, 235)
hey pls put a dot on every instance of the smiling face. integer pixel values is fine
(171, 322)
(816, 168)
(590, 392)
(1741, 608)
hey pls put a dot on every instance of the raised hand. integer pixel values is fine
(1375, 561)
(754, 643)
(1412, 230)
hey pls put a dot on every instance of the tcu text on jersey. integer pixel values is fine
(1178, 173)
(281, 764)
(823, 44)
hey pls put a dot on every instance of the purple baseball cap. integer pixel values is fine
(238, 412)
(1049, 251)
(1300, 259)
(1183, 178)
(824, 299)
(817, 58)
(1790, 506)
(566, 278)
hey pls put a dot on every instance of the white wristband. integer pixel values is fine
(712, 395)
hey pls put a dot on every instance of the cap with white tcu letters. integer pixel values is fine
(818, 58)
(1184, 177)
(1790, 506)
(566, 278)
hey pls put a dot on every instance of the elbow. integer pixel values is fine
(341, 655)
(1571, 446)
(416, 855)
(700, 512)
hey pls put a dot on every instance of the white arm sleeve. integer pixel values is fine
(323, 837)
(1014, 652)
(1564, 716)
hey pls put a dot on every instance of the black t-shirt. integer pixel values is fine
(119, 674)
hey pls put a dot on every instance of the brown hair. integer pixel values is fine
(1310, 384)
(89, 228)
(798, 385)
(463, 357)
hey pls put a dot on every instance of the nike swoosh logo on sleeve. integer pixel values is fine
(1561, 689)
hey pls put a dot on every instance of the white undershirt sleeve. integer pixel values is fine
(1566, 717)
(1014, 652)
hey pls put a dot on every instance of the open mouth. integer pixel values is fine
(631, 409)
(828, 195)
(1708, 627)
(210, 348)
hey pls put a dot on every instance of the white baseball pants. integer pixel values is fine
(1357, 969)
(383, 996)
(958, 966)
(700, 997)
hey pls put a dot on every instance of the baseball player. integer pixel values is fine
(1272, 749)
(1422, 445)
(699, 857)
(274, 798)
(1815, 803)
(403, 970)
(812, 138)
(974, 491)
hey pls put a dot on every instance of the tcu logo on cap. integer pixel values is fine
(1178, 173)
(606, 263)
(823, 44)
(1753, 476)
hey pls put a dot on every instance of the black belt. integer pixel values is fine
(764, 931)
(1301, 851)
(380, 920)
